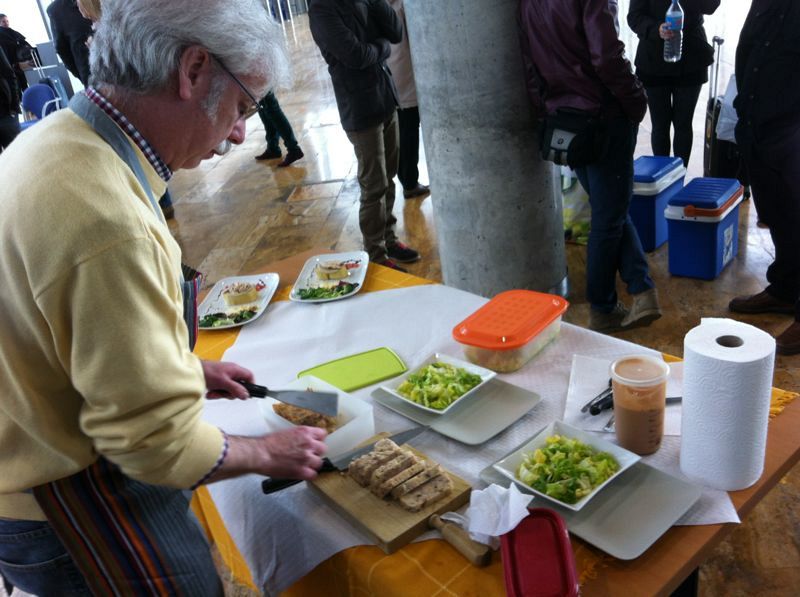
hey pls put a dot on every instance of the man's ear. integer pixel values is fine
(194, 72)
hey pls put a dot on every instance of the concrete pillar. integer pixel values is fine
(496, 203)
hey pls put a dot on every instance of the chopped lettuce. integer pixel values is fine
(438, 385)
(566, 469)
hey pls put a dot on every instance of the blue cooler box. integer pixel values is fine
(703, 220)
(655, 180)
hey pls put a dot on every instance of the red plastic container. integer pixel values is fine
(537, 557)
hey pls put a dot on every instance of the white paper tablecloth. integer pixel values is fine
(286, 534)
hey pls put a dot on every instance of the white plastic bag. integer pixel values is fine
(727, 114)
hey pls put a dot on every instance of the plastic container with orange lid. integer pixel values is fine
(510, 329)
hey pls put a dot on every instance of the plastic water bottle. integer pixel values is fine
(674, 20)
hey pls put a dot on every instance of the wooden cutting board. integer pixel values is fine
(386, 521)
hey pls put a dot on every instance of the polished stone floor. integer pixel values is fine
(234, 214)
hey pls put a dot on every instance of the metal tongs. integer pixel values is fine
(600, 402)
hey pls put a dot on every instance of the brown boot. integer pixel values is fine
(763, 302)
(788, 340)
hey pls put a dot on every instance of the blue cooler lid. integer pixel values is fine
(706, 193)
(650, 168)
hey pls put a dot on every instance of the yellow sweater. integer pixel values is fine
(94, 357)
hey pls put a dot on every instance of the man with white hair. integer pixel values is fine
(100, 395)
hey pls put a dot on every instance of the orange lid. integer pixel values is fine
(510, 320)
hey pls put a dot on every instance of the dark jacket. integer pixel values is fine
(645, 17)
(16, 49)
(70, 32)
(573, 58)
(355, 38)
(767, 58)
(9, 95)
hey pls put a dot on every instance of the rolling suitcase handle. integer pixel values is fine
(714, 81)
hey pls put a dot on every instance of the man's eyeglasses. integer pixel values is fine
(256, 102)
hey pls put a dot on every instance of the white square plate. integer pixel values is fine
(357, 263)
(214, 303)
(508, 466)
(485, 374)
(355, 416)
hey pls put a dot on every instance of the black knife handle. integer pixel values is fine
(601, 405)
(272, 485)
(255, 390)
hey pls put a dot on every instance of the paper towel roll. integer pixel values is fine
(728, 368)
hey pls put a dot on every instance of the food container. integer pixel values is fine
(537, 557)
(510, 329)
(655, 180)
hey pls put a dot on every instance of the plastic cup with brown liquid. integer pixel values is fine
(639, 383)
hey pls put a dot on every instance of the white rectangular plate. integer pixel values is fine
(214, 303)
(485, 375)
(630, 514)
(308, 275)
(474, 422)
(355, 415)
(509, 465)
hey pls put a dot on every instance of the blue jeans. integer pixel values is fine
(614, 244)
(33, 559)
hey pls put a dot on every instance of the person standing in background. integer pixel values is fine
(70, 33)
(672, 87)
(17, 51)
(593, 75)
(768, 136)
(277, 127)
(9, 102)
(355, 37)
(399, 63)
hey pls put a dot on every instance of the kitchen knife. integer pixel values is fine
(342, 461)
(326, 403)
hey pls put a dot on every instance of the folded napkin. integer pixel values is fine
(492, 512)
(589, 377)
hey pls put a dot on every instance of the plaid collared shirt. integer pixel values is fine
(155, 160)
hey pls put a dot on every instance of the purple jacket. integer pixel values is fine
(573, 58)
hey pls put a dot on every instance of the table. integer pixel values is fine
(434, 566)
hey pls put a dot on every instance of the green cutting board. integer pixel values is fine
(359, 370)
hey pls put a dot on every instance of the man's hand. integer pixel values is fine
(221, 380)
(289, 454)
(665, 32)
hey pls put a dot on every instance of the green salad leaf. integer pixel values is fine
(341, 289)
(216, 320)
(438, 385)
(566, 469)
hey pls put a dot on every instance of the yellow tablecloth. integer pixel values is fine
(419, 569)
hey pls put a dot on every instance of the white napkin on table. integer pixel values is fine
(492, 512)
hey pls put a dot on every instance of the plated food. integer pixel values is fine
(396, 473)
(330, 277)
(304, 416)
(236, 301)
(566, 465)
(565, 468)
(353, 424)
(439, 383)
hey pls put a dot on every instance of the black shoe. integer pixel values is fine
(402, 253)
(168, 211)
(416, 191)
(291, 156)
(269, 154)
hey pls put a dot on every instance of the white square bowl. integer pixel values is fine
(485, 375)
(356, 421)
(508, 466)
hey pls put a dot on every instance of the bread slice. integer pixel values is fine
(429, 473)
(305, 416)
(428, 493)
(388, 470)
(383, 489)
(361, 468)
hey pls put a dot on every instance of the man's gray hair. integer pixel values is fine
(138, 43)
